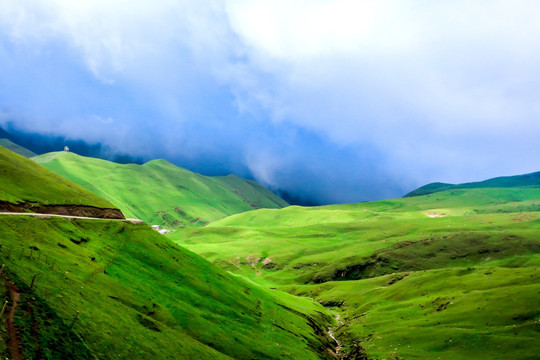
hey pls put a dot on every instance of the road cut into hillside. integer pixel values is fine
(41, 215)
(63, 209)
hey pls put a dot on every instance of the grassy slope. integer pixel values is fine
(144, 297)
(532, 179)
(481, 312)
(452, 274)
(16, 148)
(139, 295)
(161, 193)
(23, 180)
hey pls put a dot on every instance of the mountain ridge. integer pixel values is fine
(529, 179)
(162, 193)
(85, 288)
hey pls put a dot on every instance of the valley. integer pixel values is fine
(108, 288)
(269, 180)
(448, 272)
(449, 275)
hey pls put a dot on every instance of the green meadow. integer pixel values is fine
(349, 241)
(449, 275)
(22, 180)
(110, 289)
(140, 296)
(159, 192)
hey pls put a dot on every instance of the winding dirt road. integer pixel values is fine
(39, 215)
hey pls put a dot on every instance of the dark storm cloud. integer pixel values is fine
(330, 101)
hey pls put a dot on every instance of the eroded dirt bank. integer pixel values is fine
(72, 210)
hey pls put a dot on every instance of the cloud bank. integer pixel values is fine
(331, 101)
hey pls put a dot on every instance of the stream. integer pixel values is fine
(331, 333)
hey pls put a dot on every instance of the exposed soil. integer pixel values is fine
(244, 199)
(72, 210)
(14, 342)
(433, 214)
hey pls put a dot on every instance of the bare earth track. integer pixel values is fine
(39, 215)
(13, 343)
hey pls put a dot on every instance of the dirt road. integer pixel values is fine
(39, 215)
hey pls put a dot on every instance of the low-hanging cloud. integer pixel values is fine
(333, 101)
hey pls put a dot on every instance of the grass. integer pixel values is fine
(319, 244)
(532, 179)
(22, 181)
(485, 312)
(161, 193)
(449, 275)
(130, 293)
(140, 296)
(42, 334)
(16, 148)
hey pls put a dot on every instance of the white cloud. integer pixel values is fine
(402, 75)
(303, 30)
(439, 88)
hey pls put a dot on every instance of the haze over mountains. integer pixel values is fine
(44, 144)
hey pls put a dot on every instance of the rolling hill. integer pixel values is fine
(161, 193)
(450, 275)
(16, 148)
(28, 187)
(532, 179)
(110, 289)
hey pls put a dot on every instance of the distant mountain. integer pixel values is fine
(532, 179)
(41, 144)
(161, 193)
(17, 148)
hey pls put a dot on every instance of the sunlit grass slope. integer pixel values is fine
(161, 193)
(322, 243)
(22, 180)
(16, 148)
(142, 297)
(481, 312)
(450, 275)
(111, 289)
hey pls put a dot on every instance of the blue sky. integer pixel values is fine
(332, 101)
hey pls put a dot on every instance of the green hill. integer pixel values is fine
(141, 297)
(161, 193)
(27, 186)
(532, 179)
(16, 148)
(450, 275)
(109, 289)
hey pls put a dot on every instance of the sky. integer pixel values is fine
(328, 101)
